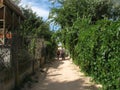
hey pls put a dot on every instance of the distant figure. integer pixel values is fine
(63, 54)
(58, 54)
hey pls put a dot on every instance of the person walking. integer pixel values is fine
(58, 54)
(63, 54)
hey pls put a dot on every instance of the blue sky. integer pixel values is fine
(41, 7)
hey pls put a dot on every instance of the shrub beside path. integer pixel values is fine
(61, 75)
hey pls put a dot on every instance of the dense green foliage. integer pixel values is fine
(34, 27)
(97, 52)
(16, 1)
(90, 30)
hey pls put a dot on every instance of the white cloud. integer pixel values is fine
(41, 12)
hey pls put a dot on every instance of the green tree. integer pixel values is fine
(16, 1)
(35, 27)
(90, 31)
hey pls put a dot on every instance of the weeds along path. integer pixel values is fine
(61, 75)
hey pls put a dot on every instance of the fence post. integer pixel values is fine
(15, 60)
(33, 62)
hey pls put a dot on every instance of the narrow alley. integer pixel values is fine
(61, 75)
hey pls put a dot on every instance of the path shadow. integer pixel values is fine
(41, 74)
(56, 64)
(49, 84)
(66, 58)
(71, 85)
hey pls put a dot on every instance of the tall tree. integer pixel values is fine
(90, 31)
(16, 1)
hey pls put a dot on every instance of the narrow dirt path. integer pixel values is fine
(62, 75)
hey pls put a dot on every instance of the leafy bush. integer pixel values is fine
(97, 53)
(90, 30)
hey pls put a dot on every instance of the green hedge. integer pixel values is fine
(97, 51)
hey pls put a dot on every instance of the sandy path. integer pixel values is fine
(62, 75)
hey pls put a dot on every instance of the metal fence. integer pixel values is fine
(16, 60)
